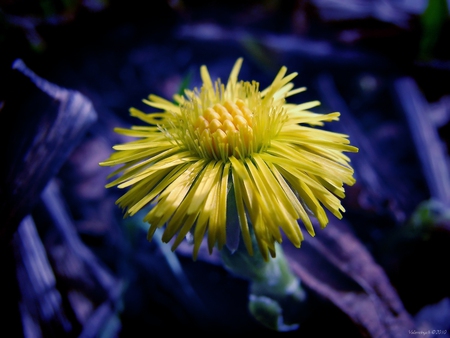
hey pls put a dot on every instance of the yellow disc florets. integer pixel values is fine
(225, 129)
(227, 121)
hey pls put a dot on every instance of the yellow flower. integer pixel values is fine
(231, 154)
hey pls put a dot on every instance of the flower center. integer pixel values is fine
(226, 129)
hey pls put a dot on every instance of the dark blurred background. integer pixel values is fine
(70, 70)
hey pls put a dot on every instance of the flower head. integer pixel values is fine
(233, 156)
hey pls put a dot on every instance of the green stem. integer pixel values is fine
(276, 297)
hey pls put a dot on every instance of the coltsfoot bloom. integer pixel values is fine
(232, 156)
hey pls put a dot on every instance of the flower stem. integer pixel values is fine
(276, 297)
